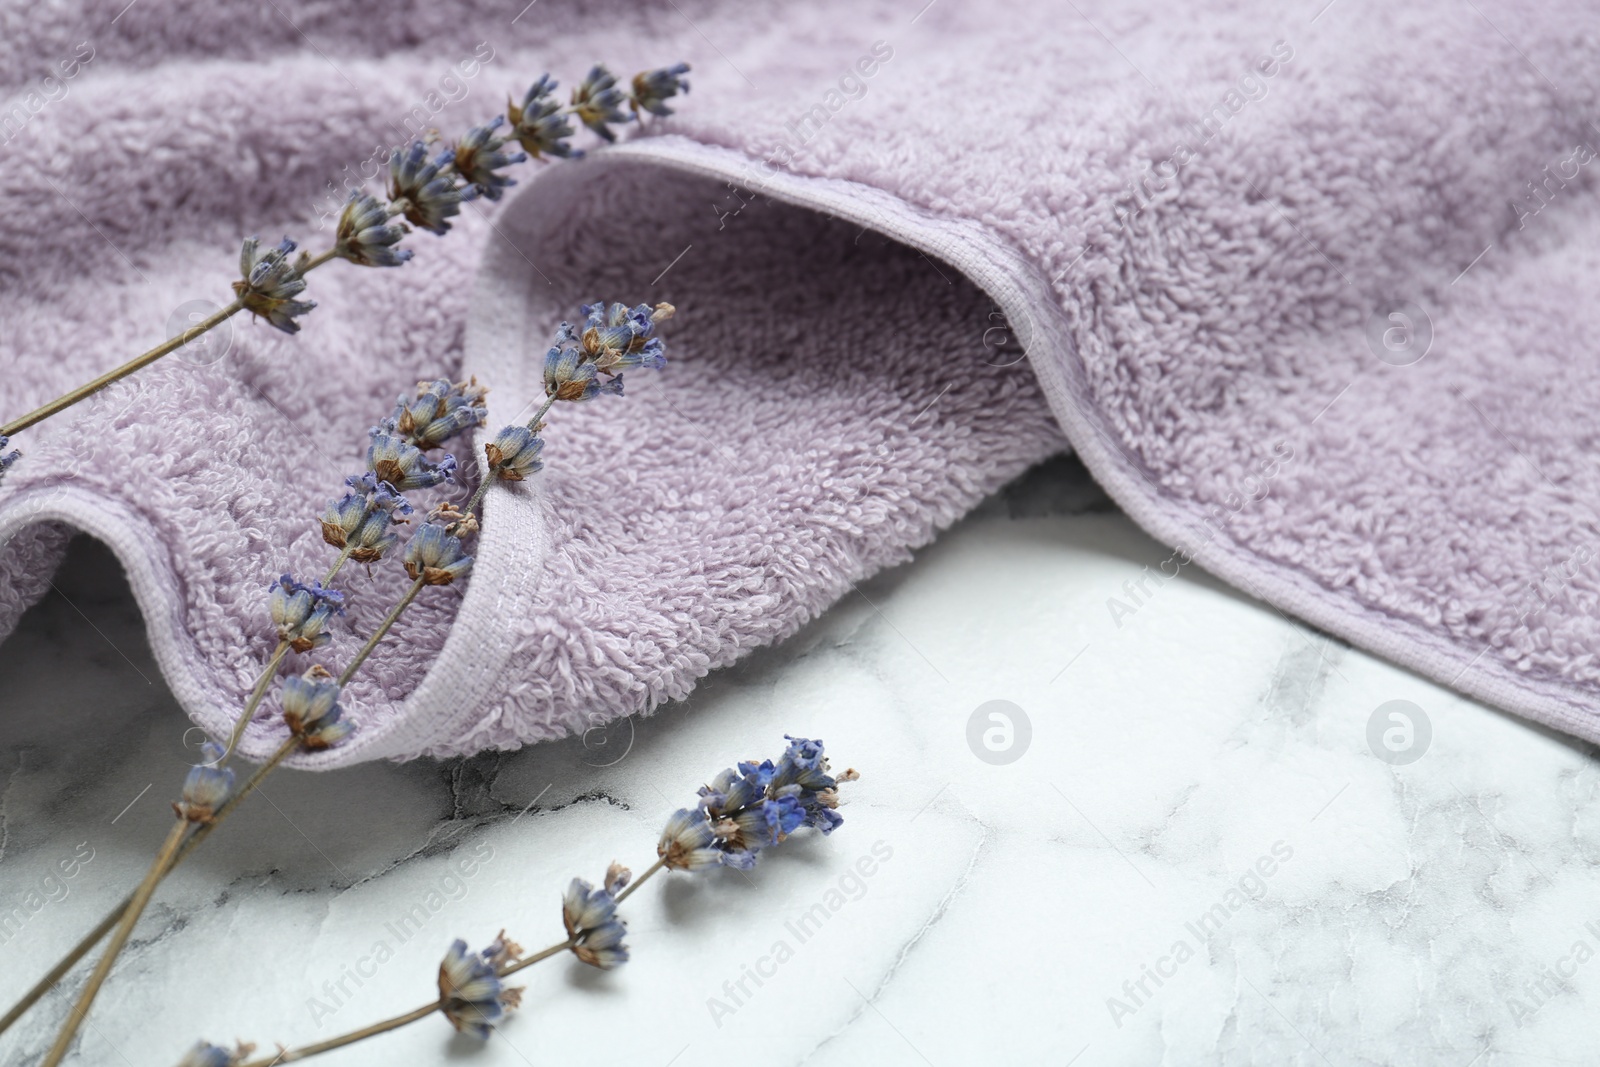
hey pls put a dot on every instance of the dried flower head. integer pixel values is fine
(311, 710)
(365, 235)
(759, 805)
(205, 1054)
(434, 555)
(614, 338)
(502, 951)
(474, 996)
(301, 612)
(620, 337)
(590, 916)
(423, 190)
(538, 123)
(570, 375)
(652, 88)
(439, 411)
(478, 159)
(617, 878)
(453, 519)
(393, 459)
(206, 786)
(514, 454)
(7, 458)
(269, 284)
(687, 843)
(598, 102)
(363, 519)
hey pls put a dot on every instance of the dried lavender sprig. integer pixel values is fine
(436, 559)
(93, 937)
(114, 916)
(761, 798)
(269, 283)
(310, 706)
(204, 790)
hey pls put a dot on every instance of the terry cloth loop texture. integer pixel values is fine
(1310, 293)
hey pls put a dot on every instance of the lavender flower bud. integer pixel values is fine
(592, 926)
(394, 460)
(502, 951)
(514, 454)
(7, 458)
(652, 88)
(435, 556)
(617, 878)
(474, 996)
(205, 1054)
(206, 786)
(569, 376)
(270, 283)
(621, 337)
(425, 196)
(478, 158)
(597, 102)
(301, 612)
(759, 805)
(686, 843)
(363, 520)
(441, 410)
(311, 710)
(538, 124)
(365, 236)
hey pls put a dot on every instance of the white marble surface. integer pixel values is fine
(1407, 914)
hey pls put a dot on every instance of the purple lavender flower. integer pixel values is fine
(687, 843)
(474, 996)
(205, 1054)
(758, 805)
(590, 916)
(435, 556)
(617, 879)
(7, 458)
(478, 158)
(514, 454)
(270, 283)
(538, 124)
(363, 520)
(365, 236)
(568, 375)
(311, 710)
(425, 192)
(598, 102)
(301, 612)
(393, 459)
(439, 411)
(620, 337)
(652, 88)
(206, 786)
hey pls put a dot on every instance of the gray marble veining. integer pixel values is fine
(1205, 854)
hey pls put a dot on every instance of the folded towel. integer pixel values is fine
(1304, 291)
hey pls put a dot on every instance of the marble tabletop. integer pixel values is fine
(1101, 820)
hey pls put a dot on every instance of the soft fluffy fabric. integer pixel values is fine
(1187, 220)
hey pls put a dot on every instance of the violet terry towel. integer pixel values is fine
(1309, 288)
